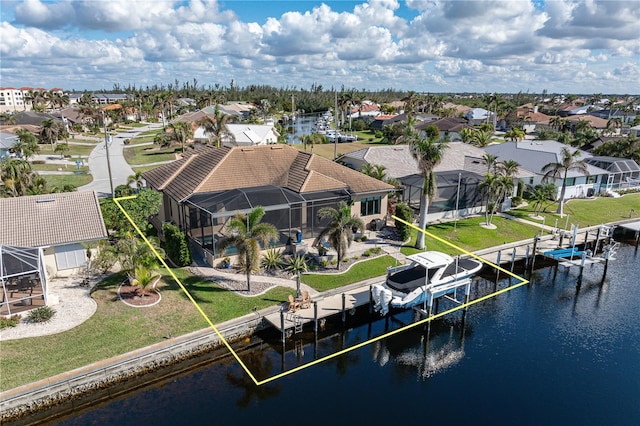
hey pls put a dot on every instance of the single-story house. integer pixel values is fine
(461, 162)
(533, 155)
(7, 141)
(623, 173)
(449, 127)
(478, 116)
(206, 187)
(40, 238)
(387, 120)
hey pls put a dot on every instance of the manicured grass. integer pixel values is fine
(138, 155)
(326, 149)
(55, 167)
(75, 180)
(358, 272)
(586, 212)
(116, 328)
(469, 235)
(73, 151)
(143, 169)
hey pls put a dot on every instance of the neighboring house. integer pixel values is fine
(477, 116)
(449, 127)
(7, 141)
(251, 134)
(461, 161)
(240, 110)
(634, 131)
(532, 118)
(40, 238)
(386, 120)
(534, 155)
(367, 109)
(205, 188)
(33, 118)
(623, 173)
(596, 123)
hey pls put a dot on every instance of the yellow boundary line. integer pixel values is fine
(344, 351)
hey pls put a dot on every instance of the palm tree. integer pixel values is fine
(16, 176)
(492, 162)
(568, 161)
(376, 171)
(339, 231)
(182, 132)
(481, 138)
(246, 233)
(27, 144)
(491, 187)
(514, 134)
(49, 132)
(216, 127)
(136, 179)
(428, 152)
(540, 194)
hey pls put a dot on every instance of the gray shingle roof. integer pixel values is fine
(51, 219)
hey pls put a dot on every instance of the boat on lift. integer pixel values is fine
(430, 274)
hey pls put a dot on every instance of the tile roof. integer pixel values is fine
(51, 219)
(211, 169)
(399, 162)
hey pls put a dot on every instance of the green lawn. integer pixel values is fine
(139, 155)
(358, 272)
(143, 169)
(73, 151)
(469, 235)
(75, 180)
(586, 212)
(55, 167)
(116, 328)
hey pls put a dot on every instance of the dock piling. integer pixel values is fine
(282, 327)
(344, 308)
(315, 317)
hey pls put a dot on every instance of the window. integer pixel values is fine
(370, 205)
(70, 256)
(571, 181)
(591, 179)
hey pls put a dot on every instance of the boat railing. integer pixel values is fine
(394, 269)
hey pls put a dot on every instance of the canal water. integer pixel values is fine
(547, 353)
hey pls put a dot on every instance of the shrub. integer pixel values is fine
(12, 321)
(324, 263)
(516, 201)
(363, 238)
(176, 244)
(272, 259)
(41, 314)
(313, 267)
(376, 250)
(367, 253)
(334, 262)
(346, 259)
(405, 213)
(356, 257)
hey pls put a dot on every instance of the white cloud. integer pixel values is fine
(461, 45)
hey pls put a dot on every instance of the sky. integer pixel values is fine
(563, 46)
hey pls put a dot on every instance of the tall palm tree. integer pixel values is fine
(49, 132)
(491, 187)
(481, 138)
(246, 232)
(428, 152)
(376, 171)
(27, 144)
(568, 161)
(136, 179)
(16, 176)
(216, 127)
(182, 132)
(339, 231)
(514, 134)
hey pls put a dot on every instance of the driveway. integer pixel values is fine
(120, 169)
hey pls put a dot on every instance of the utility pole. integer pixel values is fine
(106, 147)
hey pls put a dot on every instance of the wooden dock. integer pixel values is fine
(328, 304)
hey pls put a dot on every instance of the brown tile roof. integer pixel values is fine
(211, 169)
(595, 122)
(51, 219)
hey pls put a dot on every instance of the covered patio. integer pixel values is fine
(23, 279)
(206, 214)
(623, 173)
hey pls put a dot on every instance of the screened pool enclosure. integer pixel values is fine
(23, 279)
(456, 188)
(206, 214)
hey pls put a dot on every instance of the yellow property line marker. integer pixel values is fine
(344, 351)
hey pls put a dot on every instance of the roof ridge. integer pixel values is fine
(170, 179)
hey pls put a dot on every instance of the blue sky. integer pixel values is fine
(577, 46)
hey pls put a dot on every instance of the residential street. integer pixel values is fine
(120, 169)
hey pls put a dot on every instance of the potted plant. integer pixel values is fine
(226, 262)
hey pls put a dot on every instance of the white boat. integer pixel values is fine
(430, 274)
